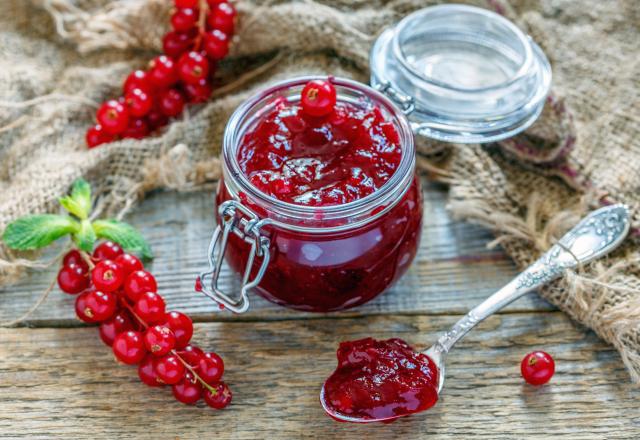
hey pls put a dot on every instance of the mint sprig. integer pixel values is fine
(40, 230)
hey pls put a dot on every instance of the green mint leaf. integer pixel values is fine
(37, 231)
(73, 207)
(85, 237)
(81, 194)
(125, 235)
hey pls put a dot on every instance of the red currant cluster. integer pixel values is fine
(116, 291)
(202, 30)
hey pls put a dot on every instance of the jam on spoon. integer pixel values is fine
(381, 380)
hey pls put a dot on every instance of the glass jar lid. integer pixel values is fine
(462, 74)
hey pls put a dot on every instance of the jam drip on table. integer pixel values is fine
(316, 161)
(381, 379)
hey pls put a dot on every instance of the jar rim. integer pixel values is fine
(401, 178)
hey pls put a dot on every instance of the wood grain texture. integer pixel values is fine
(63, 383)
(453, 269)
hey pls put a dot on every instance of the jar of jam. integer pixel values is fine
(316, 213)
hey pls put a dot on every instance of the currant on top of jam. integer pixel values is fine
(381, 380)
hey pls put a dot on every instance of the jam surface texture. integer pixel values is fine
(381, 379)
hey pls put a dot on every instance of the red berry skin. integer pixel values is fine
(192, 67)
(138, 102)
(318, 98)
(176, 43)
(156, 119)
(128, 347)
(188, 390)
(113, 116)
(191, 355)
(216, 44)
(159, 340)
(186, 3)
(150, 307)
(107, 251)
(107, 276)
(163, 72)
(138, 79)
(118, 323)
(138, 283)
(221, 398)
(129, 264)
(97, 135)
(222, 17)
(99, 306)
(184, 19)
(137, 129)
(73, 279)
(75, 257)
(147, 373)
(169, 369)
(181, 326)
(210, 368)
(171, 103)
(537, 367)
(200, 92)
(81, 306)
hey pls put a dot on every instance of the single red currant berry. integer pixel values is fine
(107, 276)
(220, 398)
(74, 257)
(73, 279)
(156, 119)
(163, 71)
(99, 306)
(138, 79)
(210, 367)
(169, 369)
(118, 323)
(138, 283)
(188, 390)
(318, 98)
(192, 67)
(128, 347)
(113, 117)
(186, 3)
(171, 102)
(184, 19)
(147, 373)
(159, 340)
(537, 367)
(128, 263)
(200, 92)
(222, 17)
(137, 129)
(216, 44)
(107, 251)
(150, 307)
(213, 3)
(176, 43)
(191, 355)
(138, 102)
(181, 326)
(81, 306)
(97, 135)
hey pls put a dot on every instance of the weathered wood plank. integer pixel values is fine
(453, 270)
(63, 383)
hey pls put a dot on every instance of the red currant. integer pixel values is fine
(74, 257)
(118, 323)
(169, 369)
(221, 398)
(186, 3)
(537, 367)
(138, 79)
(147, 373)
(216, 44)
(318, 98)
(107, 251)
(176, 43)
(210, 367)
(138, 283)
(199, 92)
(113, 117)
(192, 67)
(163, 72)
(99, 306)
(81, 306)
(137, 129)
(73, 279)
(181, 326)
(129, 263)
(171, 102)
(107, 276)
(128, 347)
(188, 390)
(156, 119)
(222, 17)
(191, 355)
(184, 19)
(159, 340)
(213, 3)
(138, 101)
(150, 307)
(97, 135)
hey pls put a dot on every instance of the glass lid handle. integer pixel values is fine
(406, 103)
(235, 218)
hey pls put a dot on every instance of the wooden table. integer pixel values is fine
(57, 379)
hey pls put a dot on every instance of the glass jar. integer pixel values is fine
(313, 258)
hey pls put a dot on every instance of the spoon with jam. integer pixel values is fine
(379, 381)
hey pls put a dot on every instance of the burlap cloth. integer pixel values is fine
(59, 58)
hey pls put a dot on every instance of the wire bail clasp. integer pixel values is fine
(243, 222)
(406, 103)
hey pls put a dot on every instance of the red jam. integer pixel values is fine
(316, 161)
(381, 379)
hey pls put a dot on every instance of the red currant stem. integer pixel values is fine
(130, 309)
(190, 368)
(87, 259)
(202, 19)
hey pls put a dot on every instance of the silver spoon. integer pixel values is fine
(596, 235)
